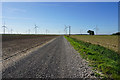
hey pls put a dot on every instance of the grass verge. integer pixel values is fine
(100, 58)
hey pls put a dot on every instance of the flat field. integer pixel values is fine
(102, 60)
(12, 44)
(108, 41)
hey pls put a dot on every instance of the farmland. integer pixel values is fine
(107, 41)
(102, 60)
(12, 44)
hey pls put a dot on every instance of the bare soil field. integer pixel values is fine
(107, 41)
(15, 44)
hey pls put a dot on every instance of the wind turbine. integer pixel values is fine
(65, 29)
(46, 31)
(11, 31)
(96, 29)
(4, 27)
(69, 27)
(36, 29)
(69, 30)
(28, 31)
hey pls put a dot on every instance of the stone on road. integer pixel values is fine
(56, 59)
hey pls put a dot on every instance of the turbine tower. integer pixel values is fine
(28, 31)
(96, 29)
(36, 29)
(69, 27)
(46, 31)
(11, 31)
(69, 30)
(65, 29)
(4, 27)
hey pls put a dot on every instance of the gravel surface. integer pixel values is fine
(57, 59)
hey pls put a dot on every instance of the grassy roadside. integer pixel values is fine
(100, 58)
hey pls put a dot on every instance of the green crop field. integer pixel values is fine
(108, 41)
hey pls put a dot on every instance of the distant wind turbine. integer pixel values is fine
(46, 31)
(96, 29)
(65, 29)
(11, 31)
(4, 27)
(36, 29)
(28, 31)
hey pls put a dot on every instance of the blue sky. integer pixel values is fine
(81, 16)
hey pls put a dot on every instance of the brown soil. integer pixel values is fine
(15, 44)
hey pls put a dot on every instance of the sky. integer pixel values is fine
(60, 0)
(21, 17)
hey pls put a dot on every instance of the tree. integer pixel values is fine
(90, 32)
(118, 33)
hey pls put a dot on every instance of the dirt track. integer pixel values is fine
(56, 59)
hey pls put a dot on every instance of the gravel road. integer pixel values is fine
(56, 59)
